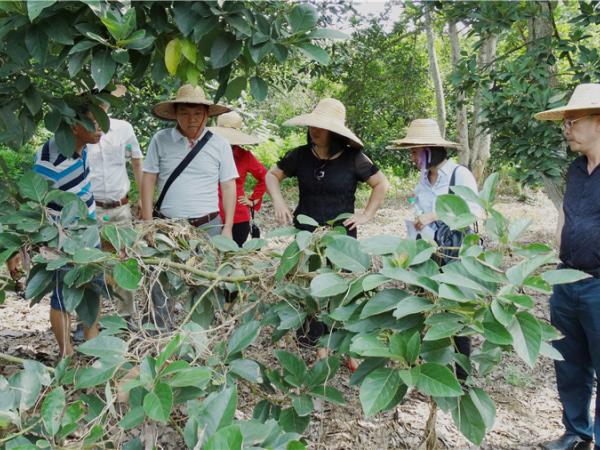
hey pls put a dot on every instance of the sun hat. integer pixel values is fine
(422, 133)
(187, 94)
(229, 126)
(585, 96)
(329, 114)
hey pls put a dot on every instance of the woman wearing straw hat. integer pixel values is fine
(438, 173)
(328, 168)
(229, 126)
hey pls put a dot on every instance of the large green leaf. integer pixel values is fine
(438, 381)
(104, 347)
(527, 336)
(302, 17)
(328, 393)
(303, 404)
(454, 211)
(35, 7)
(218, 410)
(127, 274)
(292, 422)
(412, 305)
(259, 88)
(89, 307)
(346, 254)
(328, 285)
(383, 301)
(225, 49)
(98, 374)
(292, 364)
(247, 369)
(315, 53)
(133, 418)
(197, 377)
(52, 410)
(243, 337)
(227, 438)
(289, 260)
(39, 283)
(380, 245)
(378, 389)
(469, 420)
(369, 345)
(159, 402)
(102, 68)
(33, 186)
(89, 255)
(563, 276)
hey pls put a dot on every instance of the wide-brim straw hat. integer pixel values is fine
(422, 133)
(585, 97)
(229, 126)
(329, 114)
(193, 95)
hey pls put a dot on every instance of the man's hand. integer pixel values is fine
(425, 219)
(355, 220)
(227, 231)
(282, 213)
(243, 200)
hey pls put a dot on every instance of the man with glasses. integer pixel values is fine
(575, 307)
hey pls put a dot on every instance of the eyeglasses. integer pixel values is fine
(319, 172)
(568, 123)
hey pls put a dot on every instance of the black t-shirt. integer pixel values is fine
(326, 187)
(580, 236)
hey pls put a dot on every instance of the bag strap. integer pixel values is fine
(453, 178)
(181, 167)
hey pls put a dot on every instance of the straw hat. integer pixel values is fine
(229, 126)
(329, 114)
(585, 96)
(422, 133)
(187, 94)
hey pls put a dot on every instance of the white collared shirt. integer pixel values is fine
(426, 193)
(108, 161)
(195, 192)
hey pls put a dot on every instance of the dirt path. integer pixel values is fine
(528, 410)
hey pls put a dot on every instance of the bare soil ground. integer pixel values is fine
(528, 411)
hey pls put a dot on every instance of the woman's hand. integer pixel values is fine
(425, 219)
(356, 220)
(282, 213)
(243, 200)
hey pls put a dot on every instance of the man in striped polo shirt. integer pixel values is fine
(69, 174)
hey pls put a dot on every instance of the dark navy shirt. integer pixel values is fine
(580, 238)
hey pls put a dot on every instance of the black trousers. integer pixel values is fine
(240, 232)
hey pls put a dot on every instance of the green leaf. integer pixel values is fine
(243, 337)
(302, 17)
(488, 192)
(227, 438)
(346, 254)
(65, 140)
(469, 420)
(39, 283)
(442, 330)
(225, 49)
(198, 377)
(104, 347)
(383, 301)
(35, 7)
(89, 307)
(292, 364)
(292, 422)
(235, 88)
(496, 333)
(133, 418)
(102, 68)
(52, 410)
(328, 285)
(517, 274)
(378, 389)
(224, 244)
(218, 410)
(259, 88)
(247, 369)
(517, 228)
(329, 394)
(303, 404)
(305, 220)
(454, 211)
(172, 55)
(289, 260)
(563, 276)
(315, 53)
(324, 369)
(158, 403)
(33, 186)
(485, 405)
(127, 274)
(412, 305)
(527, 336)
(380, 245)
(438, 381)
(89, 255)
(369, 345)
(98, 374)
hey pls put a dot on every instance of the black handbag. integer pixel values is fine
(254, 230)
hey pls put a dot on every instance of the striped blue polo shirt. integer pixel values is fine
(67, 174)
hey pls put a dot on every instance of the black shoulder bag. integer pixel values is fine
(446, 237)
(180, 168)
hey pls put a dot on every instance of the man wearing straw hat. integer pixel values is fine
(191, 193)
(575, 307)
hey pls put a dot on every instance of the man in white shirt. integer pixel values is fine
(110, 186)
(194, 194)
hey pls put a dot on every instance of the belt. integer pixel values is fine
(593, 272)
(109, 205)
(199, 221)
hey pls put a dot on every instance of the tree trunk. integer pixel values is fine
(435, 74)
(482, 140)
(462, 121)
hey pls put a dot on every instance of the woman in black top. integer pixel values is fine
(328, 169)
